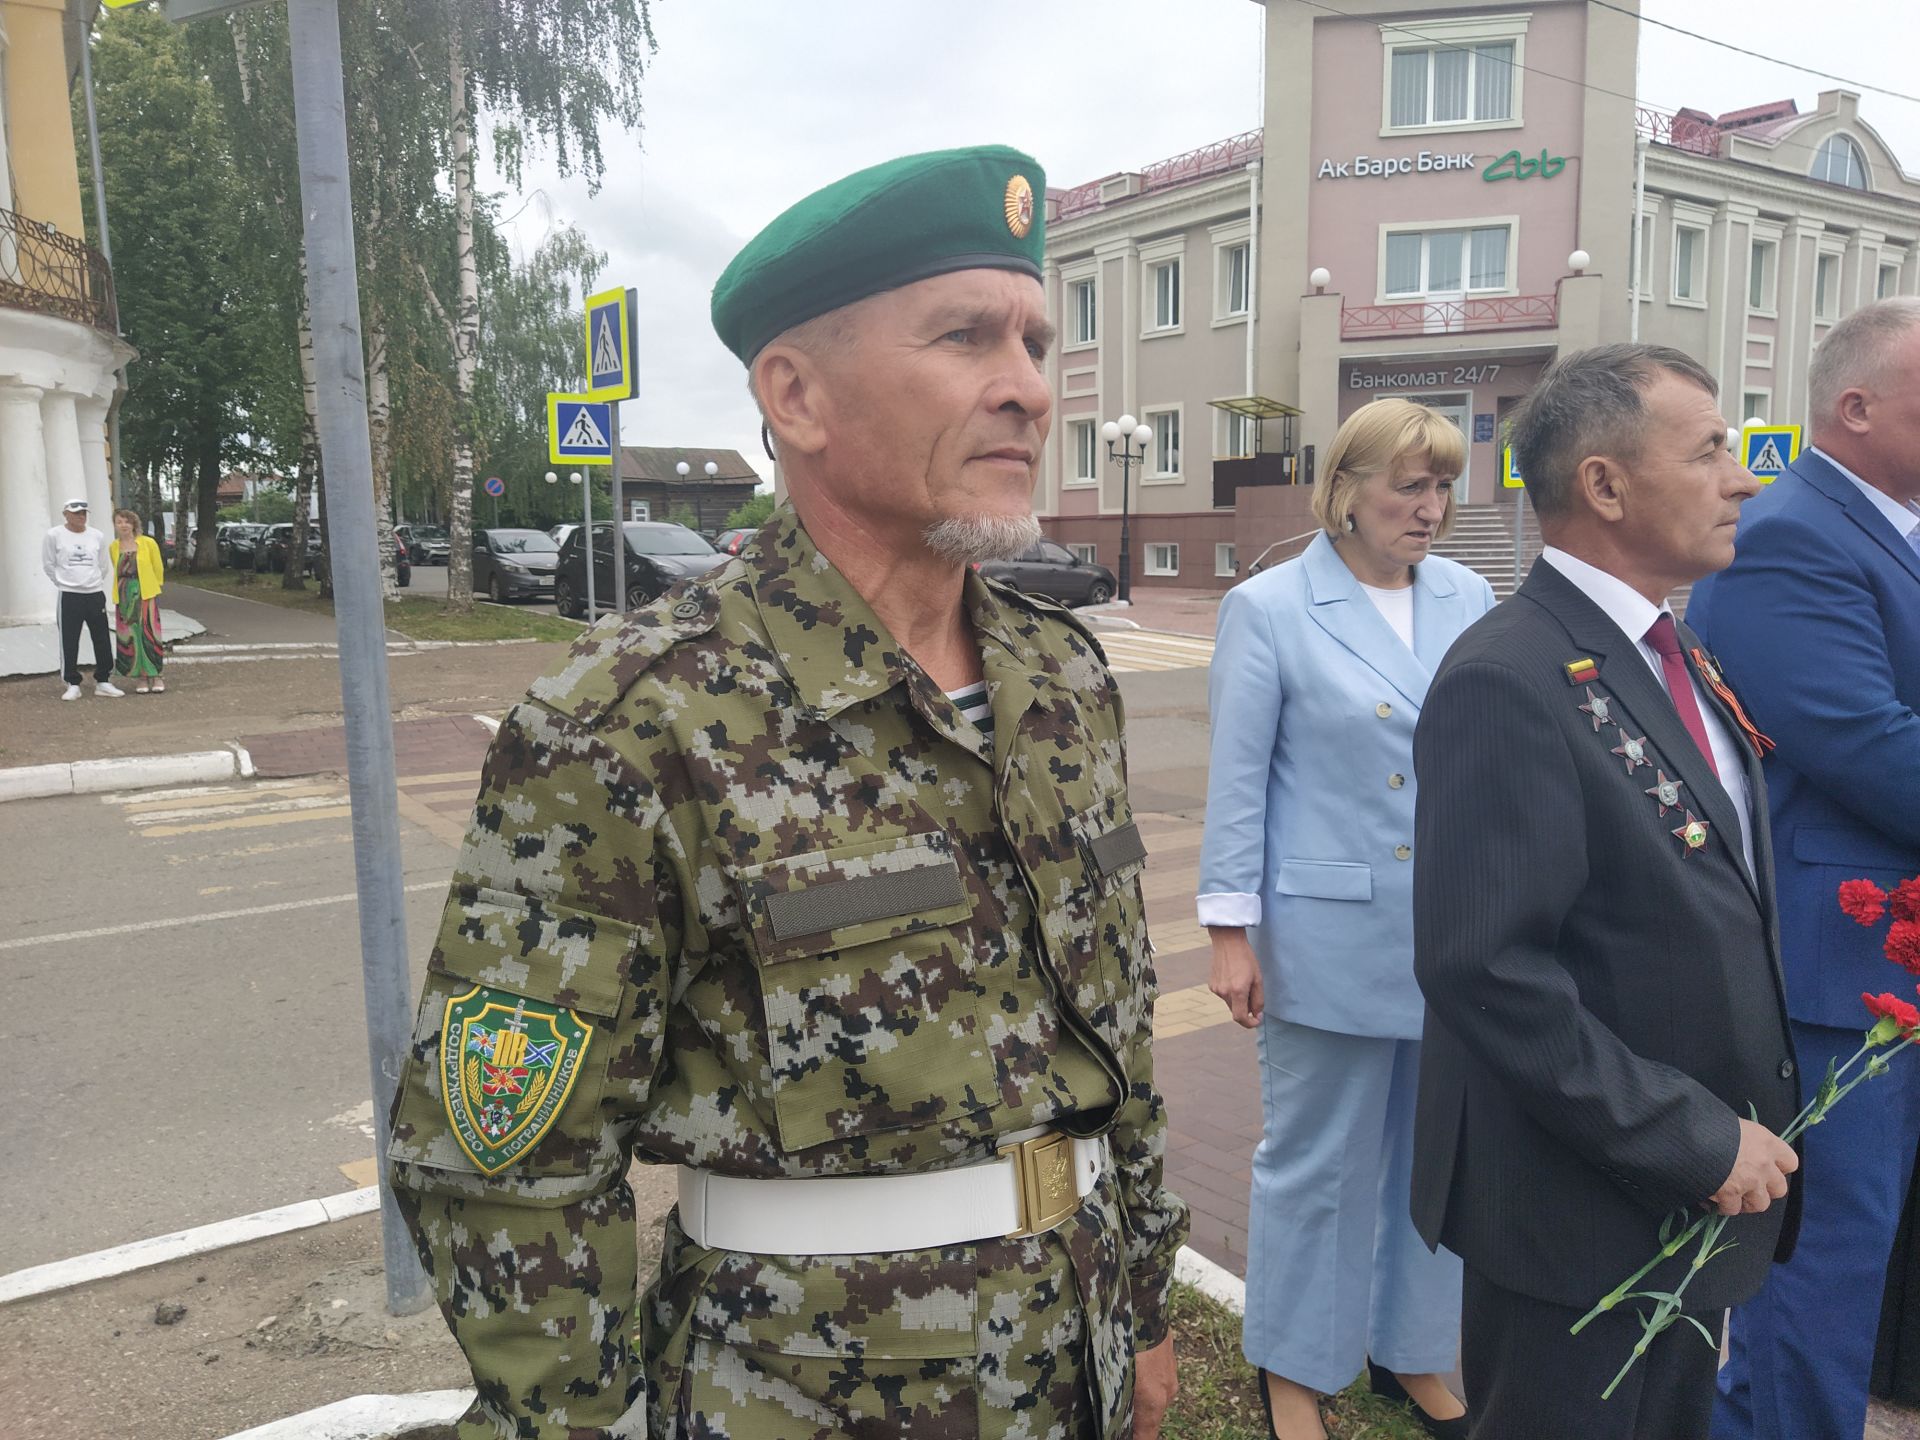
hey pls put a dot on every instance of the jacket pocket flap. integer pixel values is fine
(528, 947)
(1325, 879)
(1829, 845)
(1118, 848)
(835, 899)
(857, 899)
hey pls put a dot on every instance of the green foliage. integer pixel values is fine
(681, 515)
(269, 507)
(755, 513)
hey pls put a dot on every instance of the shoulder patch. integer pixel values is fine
(1050, 610)
(609, 657)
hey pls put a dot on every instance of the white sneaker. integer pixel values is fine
(72, 692)
(108, 689)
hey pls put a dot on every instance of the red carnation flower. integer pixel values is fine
(1892, 1007)
(1863, 901)
(1903, 945)
(1906, 899)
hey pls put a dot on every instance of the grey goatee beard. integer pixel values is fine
(977, 538)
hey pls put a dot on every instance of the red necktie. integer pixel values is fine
(1665, 640)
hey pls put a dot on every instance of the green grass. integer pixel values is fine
(414, 616)
(1217, 1399)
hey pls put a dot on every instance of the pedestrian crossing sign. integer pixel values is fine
(1510, 476)
(610, 346)
(1766, 450)
(579, 430)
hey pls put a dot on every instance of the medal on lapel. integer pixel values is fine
(1598, 708)
(1692, 835)
(1582, 671)
(1666, 793)
(1633, 751)
(1710, 672)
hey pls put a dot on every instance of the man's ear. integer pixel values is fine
(1600, 486)
(792, 398)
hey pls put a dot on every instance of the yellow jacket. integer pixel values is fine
(146, 559)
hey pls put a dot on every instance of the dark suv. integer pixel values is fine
(427, 544)
(659, 554)
(512, 564)
(317, 565)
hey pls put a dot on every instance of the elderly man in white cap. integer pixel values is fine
(74, 555)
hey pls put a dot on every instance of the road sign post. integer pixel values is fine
(1511, 478)
(611, 350)
(580, 432)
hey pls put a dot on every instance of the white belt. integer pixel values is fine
(1036, 1181)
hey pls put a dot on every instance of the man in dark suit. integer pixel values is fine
(1818, 623)
(1594, 927)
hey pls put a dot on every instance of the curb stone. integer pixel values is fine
(135, 772)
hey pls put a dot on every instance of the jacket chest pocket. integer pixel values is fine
(1095, 918)
(870, 1003)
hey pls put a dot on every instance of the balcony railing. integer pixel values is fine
(1215, 159)
(1687, 130)
(1451, 317)
(49, 271)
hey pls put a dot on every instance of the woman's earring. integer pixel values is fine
(1351, 527)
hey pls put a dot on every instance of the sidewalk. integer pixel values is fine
(1176, 611)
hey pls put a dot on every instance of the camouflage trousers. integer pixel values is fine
(973, 1342)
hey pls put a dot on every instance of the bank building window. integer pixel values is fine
(1163, 559)
(1826, 287)
(1166, 442)
(1889, 282)
(1443, 263)
(1451, 85)
(1085, 313)
(1838, 161)
(1086, 554)
(1166, 295)
(1085, 456)
(1233, 280)
(1689, 263)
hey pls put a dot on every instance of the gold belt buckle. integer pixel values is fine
(1048, 1195)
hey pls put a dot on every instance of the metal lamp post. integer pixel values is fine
(1133, 440)
(682, 469)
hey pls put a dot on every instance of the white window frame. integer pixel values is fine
(1887, 262)
(1859, 153)
(1148, 553)
(1226, 559)
(1224, 447)
(1071, 278)
(1831, 310)
(1226, 240)
(639, 509)
(1087, 554)
(1430, 34)
(1689, 217)
(1151, 473)
(1748, 413)
(1152, 257)
(1424, 227)
(1076, 427)
(1769, 303)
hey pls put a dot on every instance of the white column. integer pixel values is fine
(25, 595)
(66, 474)
(93, 456)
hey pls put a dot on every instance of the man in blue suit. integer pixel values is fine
(1817, 624)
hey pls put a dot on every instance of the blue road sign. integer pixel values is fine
(1767, 450)
(610, 345)
(579, 430)
(495, 486)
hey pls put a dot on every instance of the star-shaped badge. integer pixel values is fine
(1597, 707)
(1693, 834)
(1665, 791)
(1633, 751)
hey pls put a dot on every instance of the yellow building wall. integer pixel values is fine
(46, 170)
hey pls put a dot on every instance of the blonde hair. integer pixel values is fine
(1376, 438)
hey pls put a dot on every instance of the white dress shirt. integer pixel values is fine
(1635, 614)
(1395, 607)
(1904, 518)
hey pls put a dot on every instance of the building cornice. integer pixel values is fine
(1766, 187)
(1203, 202)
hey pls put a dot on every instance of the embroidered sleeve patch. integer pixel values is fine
(507, 1065)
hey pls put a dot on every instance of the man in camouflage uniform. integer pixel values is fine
(748, 890)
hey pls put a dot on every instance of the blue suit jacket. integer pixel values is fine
(1817, 626)
(1314, 700)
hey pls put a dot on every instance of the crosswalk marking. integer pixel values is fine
(1133, 650)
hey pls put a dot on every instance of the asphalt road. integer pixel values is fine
(182, 973)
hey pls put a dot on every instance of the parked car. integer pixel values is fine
(1050, 569)
(558, 534)
(234, 543)
(270, 546)
(513, 564)
(659, 555)
(730, 541)
(426, 544)
(317, 565)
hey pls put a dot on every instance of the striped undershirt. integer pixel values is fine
(973, 702)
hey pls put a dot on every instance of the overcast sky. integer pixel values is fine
(752, 104)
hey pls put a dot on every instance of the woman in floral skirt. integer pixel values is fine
(137, 573)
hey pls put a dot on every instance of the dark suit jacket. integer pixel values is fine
(1818, 626)
(1603, 1002)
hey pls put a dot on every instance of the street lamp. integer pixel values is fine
(586, 530)
(1127, 435)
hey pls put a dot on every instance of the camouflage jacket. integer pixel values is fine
(744, 890)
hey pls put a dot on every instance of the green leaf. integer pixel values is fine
(1711, 1341)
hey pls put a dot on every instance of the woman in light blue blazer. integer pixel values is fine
(1306, 887)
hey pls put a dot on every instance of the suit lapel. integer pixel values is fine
(1642, 710)
(1820, 473)
(1341, 608)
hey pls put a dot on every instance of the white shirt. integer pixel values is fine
(1905, 519)
(75, 560)
(1634, 614)
(1396, 608)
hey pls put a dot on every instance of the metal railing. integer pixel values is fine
(1451, 317)
(1215, 159)
(49, 271)
(1261, 562)
(1694, 133)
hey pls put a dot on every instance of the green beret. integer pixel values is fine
(879, 229)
